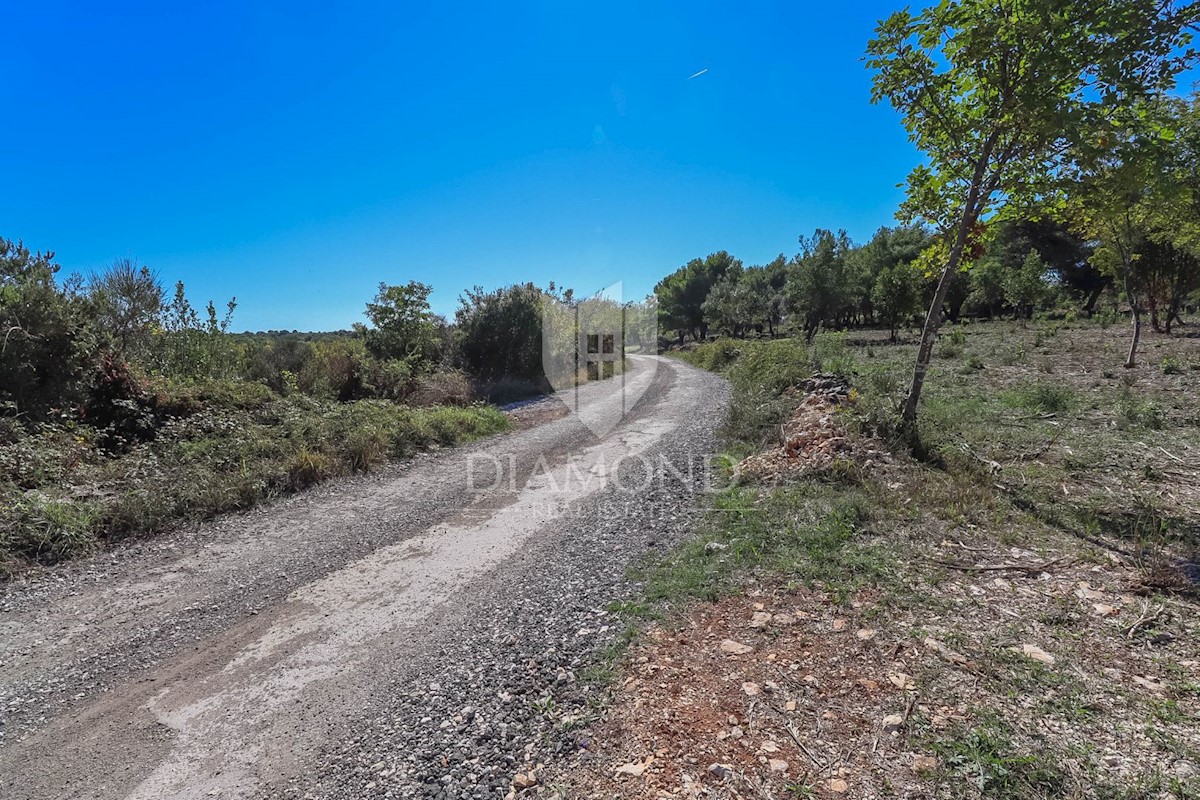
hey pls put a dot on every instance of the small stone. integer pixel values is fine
(865, 634)
(778, 765)
(769, 746)
(733, 648)
(524, 780)
(892, 723)
(750, 688)
(715, 547)
(721, 771)
(923, 764)
(760, 619)
(790, 705)
(838, 785)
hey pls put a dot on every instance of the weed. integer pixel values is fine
(985, 757)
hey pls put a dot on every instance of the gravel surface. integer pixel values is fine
(406, 634)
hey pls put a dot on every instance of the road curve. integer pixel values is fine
(414, 633)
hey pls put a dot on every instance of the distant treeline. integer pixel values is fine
(1017, 268)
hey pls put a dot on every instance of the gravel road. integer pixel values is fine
(418, 632)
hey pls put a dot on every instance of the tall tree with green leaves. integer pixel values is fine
(993, 92)
(681, 294)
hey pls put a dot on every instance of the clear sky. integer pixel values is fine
(296, 156)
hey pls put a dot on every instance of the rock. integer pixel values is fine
(734, 648)
(892, 723)
(750, 688)
(923, 764)
(524, 780)
(778, 765)
(901, 680)
(769, 746)
(1034, 652)
(838, 785)
(721, 771)
(865, 634)
(760, 619)
(715, 547)
(635, 769)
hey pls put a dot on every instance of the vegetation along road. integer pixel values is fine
(402, 629)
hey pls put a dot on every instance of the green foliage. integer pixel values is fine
(219, 446)
(1025, 286)
(46, 339)
(987, 759)
(128, 300)
(403, 328)
(817, 286)
(499, 333)
(1045, 398)
(190, 347)
(896, 295)
(681, 294)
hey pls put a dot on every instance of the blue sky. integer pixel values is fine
(297, 156)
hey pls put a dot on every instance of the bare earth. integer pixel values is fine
(402, 634)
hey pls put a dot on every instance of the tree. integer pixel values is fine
(45, 336)
(1065, 253)
(128, 299)
(816, 288)
(896, 295)
(1025, 286)
(681, 294)
(1117, 182)
(888, 248)
(402, 325)
(993, 92)
(500, 332)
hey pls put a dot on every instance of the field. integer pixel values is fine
(1014, 615)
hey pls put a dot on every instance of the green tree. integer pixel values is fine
(817, 286)
(681, 294)
(46, 341)
(500, 333)
(896, 296)
(1119, 180)
(994, 92)
(402, 325)
(1025, 286)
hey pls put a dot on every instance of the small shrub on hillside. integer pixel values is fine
(1171, 366)
(308, 467)
(1047, 398)
(1134, 412)
(448, 388)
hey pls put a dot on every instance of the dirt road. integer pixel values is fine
(419, 632)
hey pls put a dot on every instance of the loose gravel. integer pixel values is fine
(452, 701)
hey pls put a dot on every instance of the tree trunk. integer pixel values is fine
(1131, 360)
(933, 321)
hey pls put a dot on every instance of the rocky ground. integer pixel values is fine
(400, 635)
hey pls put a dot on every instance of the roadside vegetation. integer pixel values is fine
(124, 409)
(1012, 616)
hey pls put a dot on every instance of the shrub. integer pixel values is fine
(1171, 366)
(1048, 398)
(308, 467)
(447, 388)
(500, 333)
